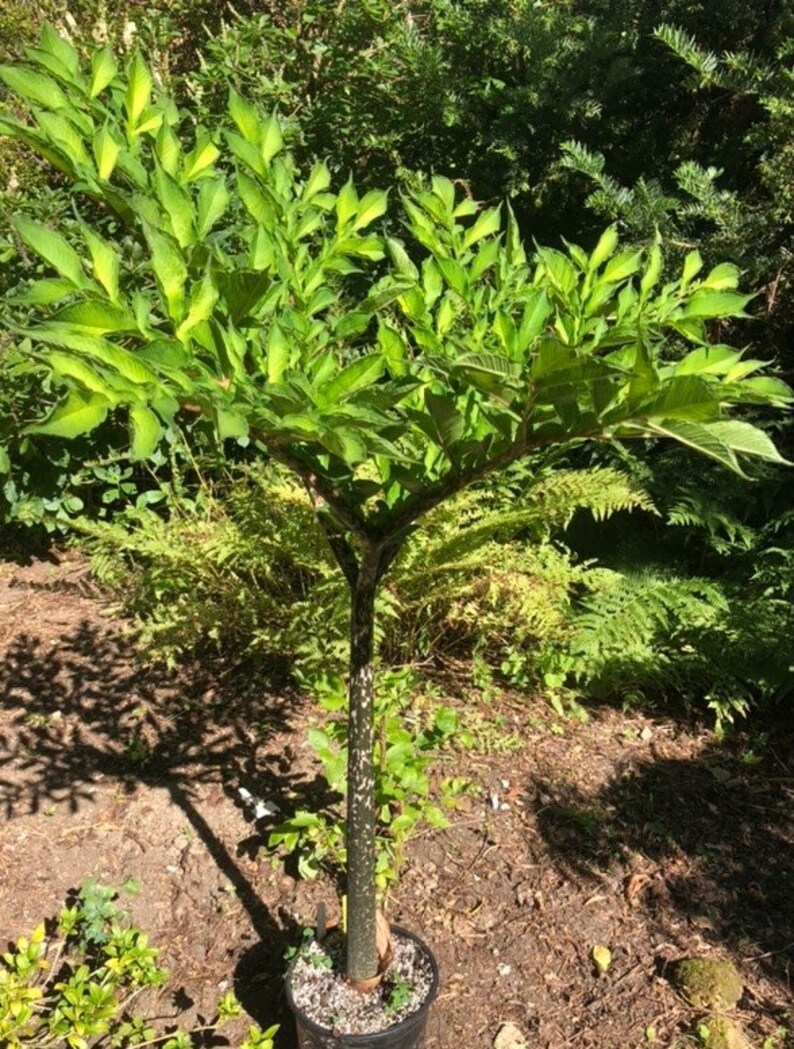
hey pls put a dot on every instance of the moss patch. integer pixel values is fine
(708, 983)
(723, 1034)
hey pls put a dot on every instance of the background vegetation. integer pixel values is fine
(652, 113)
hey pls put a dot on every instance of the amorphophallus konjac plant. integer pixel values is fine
(216, 277)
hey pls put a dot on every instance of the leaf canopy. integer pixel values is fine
(388, 371)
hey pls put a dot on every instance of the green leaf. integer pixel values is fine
(722, 277)
(139, 89)
(683, 396)
(363, 371)
(52, 42)
(347, 443)
(693, 264)
(165, 353)
(362, 247)
(700, 437)
(394, 350)
(605, 248)
(272, 139)
(103, 70)
(76, 414)
(96, 317)
(5, 461)
(243, 290)
(201, 306)
(372, 206)
(645, 377)
(766, 389)
(230, 424)
(200, 159)
(400, 258)
(445, 191)
(168, 149)
(447, 422)
(622, 266)
(169, 269)
(708, 305)
(536, 312)
(33, 87)
(121, 360)
(146, 431)
(494, 364)
(45, 292)
(454, 274)
(105, 260)
(486, 257)
(106, 152)
(277, 354)
(319, 181)
(745, 439)
(653, 270)
(385, 292)
(351, 324)
(70, 367)
(254, 200)
(53, 248)
(708, 360)
(177, 205)
(559, 269)
(245, 116)
(346, 204)
(245, 152)
(63, 135)
(150, 121)
(489, 222)
(212, 203)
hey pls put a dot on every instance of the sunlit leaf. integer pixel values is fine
(53, 248)
(77, 414)
(33, 87)
(139, 89)
(103, 70)
(146, 431)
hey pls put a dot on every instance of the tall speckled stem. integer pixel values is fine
(362, 954)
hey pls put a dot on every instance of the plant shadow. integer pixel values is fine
(705, 846)
(84, 710)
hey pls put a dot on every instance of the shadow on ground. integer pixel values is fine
(703, 845)
(82, 708)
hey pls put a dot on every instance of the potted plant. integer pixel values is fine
(387, 373)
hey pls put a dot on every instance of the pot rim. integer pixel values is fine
(403, 1025)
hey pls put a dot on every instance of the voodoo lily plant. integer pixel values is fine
(387, 371)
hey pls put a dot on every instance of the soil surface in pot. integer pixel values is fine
(322, 993)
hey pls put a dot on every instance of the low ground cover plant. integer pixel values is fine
(74, 983)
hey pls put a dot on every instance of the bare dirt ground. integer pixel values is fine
(644, 836)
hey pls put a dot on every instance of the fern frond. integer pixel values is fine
(725, 531)
(636, 627)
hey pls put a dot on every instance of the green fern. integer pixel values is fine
(624, 620)
(484, 573)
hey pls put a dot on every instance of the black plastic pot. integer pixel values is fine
(407, 1034)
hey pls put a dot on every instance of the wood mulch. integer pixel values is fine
(641, 834)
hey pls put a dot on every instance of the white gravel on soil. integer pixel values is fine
(324, 996)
